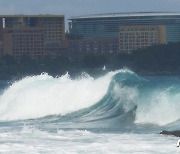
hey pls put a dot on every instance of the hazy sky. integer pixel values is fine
(83, 7)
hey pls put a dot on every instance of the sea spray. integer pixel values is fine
(42, 95)
(125, 118)
(126, 96)
(116, 97)
(160, 107)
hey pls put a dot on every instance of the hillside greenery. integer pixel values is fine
(155, 60)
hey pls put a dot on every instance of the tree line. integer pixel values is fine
(159, 59)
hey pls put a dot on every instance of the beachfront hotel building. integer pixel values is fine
(103, 45)
(141, 36)
(33, 35)
(132, 30)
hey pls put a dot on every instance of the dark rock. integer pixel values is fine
(174, 133)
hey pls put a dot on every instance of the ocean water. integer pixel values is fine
(119, 112)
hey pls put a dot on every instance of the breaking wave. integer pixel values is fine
(120, 95)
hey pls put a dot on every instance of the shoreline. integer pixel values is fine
(171, 133)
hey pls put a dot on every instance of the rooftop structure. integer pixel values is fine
(108, 25)
(130, 14)
(134, 30)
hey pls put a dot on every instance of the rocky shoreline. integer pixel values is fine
(174, 133)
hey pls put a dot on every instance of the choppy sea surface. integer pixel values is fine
(119, 112)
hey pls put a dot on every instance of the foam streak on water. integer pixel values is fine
(120, 112)
(32, 140)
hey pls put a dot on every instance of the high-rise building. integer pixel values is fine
(141, 36)
(134, 30)
(31, 34)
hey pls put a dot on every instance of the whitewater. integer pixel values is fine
(119, 112)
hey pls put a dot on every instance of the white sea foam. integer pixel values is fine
(81, 141)
(160, 107)
(126, 96)
(43, 95)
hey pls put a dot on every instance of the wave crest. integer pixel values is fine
(120, 95)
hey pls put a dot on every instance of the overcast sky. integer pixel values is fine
(83, 7)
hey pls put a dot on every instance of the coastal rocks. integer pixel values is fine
(174, 133)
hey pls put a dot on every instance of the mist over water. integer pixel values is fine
(118, 105)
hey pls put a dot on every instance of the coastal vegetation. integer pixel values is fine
(155, 60)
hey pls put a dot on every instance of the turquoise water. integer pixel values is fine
(120, 112)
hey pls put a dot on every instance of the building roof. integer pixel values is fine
(23, 15)
(130, 14)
